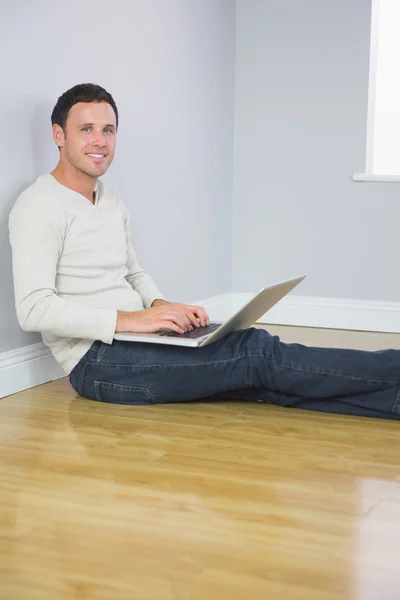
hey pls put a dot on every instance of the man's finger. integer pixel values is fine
(202, 315)
(176, 316)
(205, 316)
(184, 322)
(181, 311)
(194, 321)
(169, 325)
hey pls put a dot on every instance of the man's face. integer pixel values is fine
(90, 137)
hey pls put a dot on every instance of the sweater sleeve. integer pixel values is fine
(137, 277)
(37, 230)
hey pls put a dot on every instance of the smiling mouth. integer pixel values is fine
(97, 157)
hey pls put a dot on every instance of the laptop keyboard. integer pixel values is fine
(196, 333)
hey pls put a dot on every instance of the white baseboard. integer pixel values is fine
(307, 311)
(27, 367)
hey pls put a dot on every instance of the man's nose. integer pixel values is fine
(99, 139)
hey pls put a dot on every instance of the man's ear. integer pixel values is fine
(58, 135)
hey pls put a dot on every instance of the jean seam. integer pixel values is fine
(396, 405)
(81, 378)
(100, 352)
(170, 365)
(96, 391)
(331, 373)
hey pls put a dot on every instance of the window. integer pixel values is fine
(383, 127)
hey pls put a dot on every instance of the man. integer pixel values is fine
(77, 281)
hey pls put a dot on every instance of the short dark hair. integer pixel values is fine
(83, 92)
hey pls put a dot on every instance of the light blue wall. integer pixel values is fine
(302, 73)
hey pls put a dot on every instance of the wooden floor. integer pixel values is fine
(198, 502)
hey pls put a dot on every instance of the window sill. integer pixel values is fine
(369, 177)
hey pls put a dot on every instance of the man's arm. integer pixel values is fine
(37, 231)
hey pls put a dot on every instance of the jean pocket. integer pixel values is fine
(116, 393)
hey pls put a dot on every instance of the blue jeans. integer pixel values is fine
(246, 365)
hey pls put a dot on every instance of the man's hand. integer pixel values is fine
(163, 315)
(159, 302)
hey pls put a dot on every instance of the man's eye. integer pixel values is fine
(85, 128)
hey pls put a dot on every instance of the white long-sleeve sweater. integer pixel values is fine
(74, 267)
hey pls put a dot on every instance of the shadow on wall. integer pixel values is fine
(34, 154)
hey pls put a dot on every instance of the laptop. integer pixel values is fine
(202, 336)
